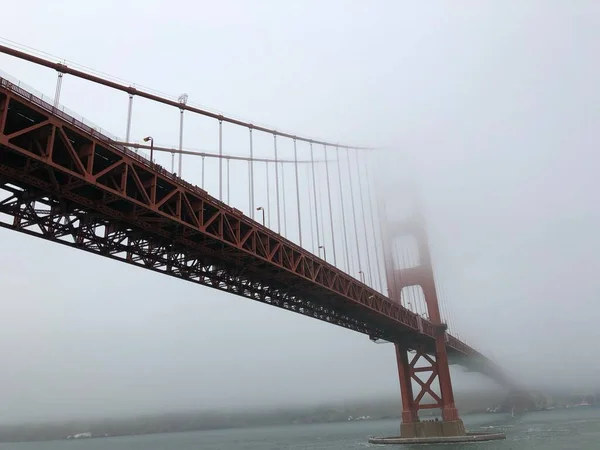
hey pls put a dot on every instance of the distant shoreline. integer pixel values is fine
(179, 422)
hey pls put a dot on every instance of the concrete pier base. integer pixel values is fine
(468, 437)
(432, 429)
(435, 433)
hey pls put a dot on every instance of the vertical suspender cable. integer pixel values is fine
(330, 209)
(364, 218)
(58, 89)
(277, 184)
(310, 209)
(228, 182)
(182, 100)
(441, 299)
(399, 283)
(297, 193)
(251, 177)
(406, 263)
(312, 162)
(129, 116)
(203, 157)
(409, 291)
(353, 211)
(436, 282)
(451, 320)
(268, 195)
(388, 255)
(320, 200)
(250, 214)
(450, 315)
(375, 241)
(180, 158)
(283, 199)
(339, 169)
(221, 160)
(416, 294)
(398, 279)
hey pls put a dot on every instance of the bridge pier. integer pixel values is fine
(412, 370)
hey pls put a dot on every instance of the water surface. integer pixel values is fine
(577, 428)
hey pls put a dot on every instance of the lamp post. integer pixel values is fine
(151, 139)
(324, 252)
(260, 208)
(362, 275)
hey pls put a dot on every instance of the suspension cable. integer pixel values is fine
(418, 292)
(157, 148)
(129, 116)
(364, 218)
(330, 209)
(400, 261)
(58, 88)
(180, 161)
(449, 311)
(391, 285)
(399, 279)
(375, 241)
(220, 160)
(310, 209)
(228, 183)
(297, 193)
(443, 306)
(250, 214)
(436, 283)
(321, 215)
(63, 68)
(354, 213)
(312, 161)
(346, 251)
(441, 300)
(283, 200)
(398, 276)
(268, 196)
(277, 184)
(407, 261)
(251, 176)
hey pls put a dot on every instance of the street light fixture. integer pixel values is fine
(151, 139)
(260, 208)
(362, 275)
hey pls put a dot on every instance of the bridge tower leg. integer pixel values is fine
(426, 364)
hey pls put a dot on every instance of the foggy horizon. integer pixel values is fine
(490, 109)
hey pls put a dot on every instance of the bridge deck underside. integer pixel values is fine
(64, 182)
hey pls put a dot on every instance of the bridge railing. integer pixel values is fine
(26, 91)
(83, 124)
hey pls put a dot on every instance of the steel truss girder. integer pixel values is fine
(61, 222)
(160, 222)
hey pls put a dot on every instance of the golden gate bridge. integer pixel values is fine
(313, 236)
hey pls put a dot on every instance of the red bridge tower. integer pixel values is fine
(427, 364)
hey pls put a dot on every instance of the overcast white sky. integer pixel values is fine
(497, 104)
